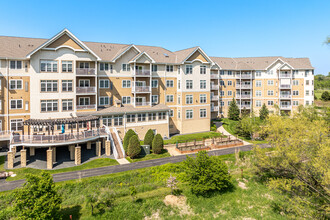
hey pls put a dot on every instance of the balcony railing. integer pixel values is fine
(285, 96)
(142, 103)
(285, 86)
(57, 139)
(285, 106)
(214, 87)
(245, 106)
(246, 76)
(243, 86)
(83, 107)
(5, 135)
(238, 96)
(142, 73)
(141, 89)
(85, 71)
(214, 76)
(215, 98)
(86, 90)
(285, 75)
(214, 108)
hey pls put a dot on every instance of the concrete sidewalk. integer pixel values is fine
(221, 129)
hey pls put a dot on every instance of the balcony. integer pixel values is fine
(285, 86)
(285, 96)
(243, 86)
(141, 89)
(246, 76)
(214, 87)
(238, 96)
(285, 107)
(85, 107)
(84, 90)
(215, 98)
(245, 106)
(142, 103)
(283, 75)
(86, 71)
(214, 108)
(142, 73)
(214, 76)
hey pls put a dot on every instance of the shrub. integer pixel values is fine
(134, 147)
(233, 111)
(127, 137)
(205, 174)
(157, 144)
(325, 96)
(213, 127)
(148, 138)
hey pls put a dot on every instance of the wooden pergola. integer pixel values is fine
(50, 123)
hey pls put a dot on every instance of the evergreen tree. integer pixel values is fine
(127, 137)
(148, 138)
(38, 198)
(157, 144)
(264, 112)
(233, 112)
(134, 148)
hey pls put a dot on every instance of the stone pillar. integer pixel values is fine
(49, 159)
(13, 149)
(89, 145)
(107, 148)
(71, 149)
(54, 154)
(98, 148)
(104, 143)
(77, 155)
(23, 158)
(10, 160)
(32, 151)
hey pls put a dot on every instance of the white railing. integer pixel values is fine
(141, 89)
(285, 106)
(82, 107)
(120, 142)
(142, 72)
(246, 76)
(285, 75)
(142, 103)
(214, 87)
(85, 71)
(214, 76)
(285, 96)
(86, 90)
(214, 108)
(238, 96)
(58, 138)
(5, 135)
(285, 86)
(242, 86)
(215, 98)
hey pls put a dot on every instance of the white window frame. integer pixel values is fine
(126, 99)
(171, 113)
(295, 82)
(50, 83)
(16, 64)
(270, 102)
(15, 84)
(202, 69)
(66, 64)
(258, 73)
(152, 99)
(17, 122)
(229, 93)
(53, 64)
(230, 83)
(202, 98)
(258, 93)
(104, 83)
(189, 84)
(169, 98)
(189, 69)
(126, 67)
(126, 84)
(16, 101)
(67, 102)
(204, 112)
(295, 103)
(258, 103)
(270, 82)
(270, 92)
(104, 66)
(169, 83)
(295, 92)
(189, 114)
(49, 103)
(169, 68)
(67, 83)
(202, 84)
(189, 99)
(85, 98)
(153, 82)
(103, 99)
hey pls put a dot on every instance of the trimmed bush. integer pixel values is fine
(148, 138)
(127, 137)
(134, 148)
(325, 96)
(157, 144)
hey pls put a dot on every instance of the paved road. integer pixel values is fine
(10, 185)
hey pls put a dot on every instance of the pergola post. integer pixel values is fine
(98, 148)
(49, 158)
(10, 159)
(77, 155)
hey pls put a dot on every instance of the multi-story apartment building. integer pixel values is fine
(139, 87)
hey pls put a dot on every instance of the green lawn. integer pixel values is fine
(230, 126)
(150, 156)
(255, 202)
(2, 163)
(102, 162)
(191, 137)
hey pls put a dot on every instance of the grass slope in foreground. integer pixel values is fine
(254, 202)
(101, 162)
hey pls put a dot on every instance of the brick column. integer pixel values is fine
(49, 159)
(98, 148)
(77, 155)
(54, 154)
(10, 160)
(107, 148)
(32, 151)
(23, 158)
(89, 145)
(72, 152)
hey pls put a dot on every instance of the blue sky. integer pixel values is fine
(241, 28)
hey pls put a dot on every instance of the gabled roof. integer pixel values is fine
(57, 36)
(134, 59)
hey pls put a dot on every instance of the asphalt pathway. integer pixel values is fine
(10, 185)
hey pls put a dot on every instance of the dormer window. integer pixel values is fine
(15, 64)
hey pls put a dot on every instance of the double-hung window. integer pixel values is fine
(270, 103)
(230, 93)
(270, 82)
(161, 115)
(202, 70)
(130, 118)
(16, 104)
(202, 98)
(189, 69)
(230, 82)
(258, 73)
(258, 93)
(169, 68)
(169, 83)
(104, 66)
(154, 83)
(152, 116)
(126, 100)
(84, 101)
(295, 93)
(66, 85)
(66, 66)
(258, 83)
(107, 121)
(189, 114)
(142, 117)
(118, 120)
(104, 100)
(15, 64)
(49, 105)
(189, 99)
(169, 98)
(67, 104)
(270, 92)
(154, 68)
(126, 84)
(295, 82)
(48, 66)
(126, 67)
(258, 103)
(16, 124)
(104, 83)
(189, 84)
(48, 85)
(154, 99)
(202, 113)
(202, 84)
(16, 84)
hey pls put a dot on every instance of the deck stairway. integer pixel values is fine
(116, 144)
